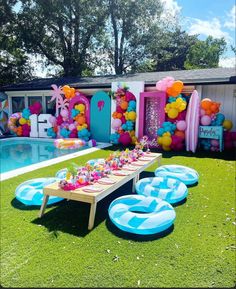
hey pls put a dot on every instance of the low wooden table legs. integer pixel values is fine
(43, 206)
(92, 215)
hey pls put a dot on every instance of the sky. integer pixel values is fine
(203, 17)
(208, 17)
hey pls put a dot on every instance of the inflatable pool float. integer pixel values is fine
(168, 189)
(96, 161)
(61, 174)
(155, 214)
(70, 143)
(31, 192)
(184, 174)
(192, 122)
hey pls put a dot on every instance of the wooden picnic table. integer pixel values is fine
(94, 197)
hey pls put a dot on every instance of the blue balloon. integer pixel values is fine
(26, 113)
(160, 131)
(114, 138)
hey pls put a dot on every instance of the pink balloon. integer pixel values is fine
(123, 120)
(71, 126)
(205, 120)
(202, 112)
(181, 125)
(52, 120)
(129, 96)
(64, 113)
(116, 123)
(125, 138)
(119, 109)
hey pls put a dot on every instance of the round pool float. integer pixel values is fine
(168, 189)
(141, 215)
(61, 174)
(182, 173)
(94, 162)
(70, 143)
(31, 192)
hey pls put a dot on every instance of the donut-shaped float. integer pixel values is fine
(12, 121)
(94, 162)
(61, 174)
(155, 214)
(31, 192)
(73, 143)
(182, 173)
(168, 189)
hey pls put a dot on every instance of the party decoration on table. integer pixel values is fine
(124, 118)
(94, 170)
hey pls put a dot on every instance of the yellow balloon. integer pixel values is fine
(132, 115)
(132, 133)
(166, 133)
(80, 107)
(22, 121)
(173, 113)
(166, 148)
(159, 140)
(227, 124)
(166, 141)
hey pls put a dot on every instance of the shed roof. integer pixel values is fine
(191, 77)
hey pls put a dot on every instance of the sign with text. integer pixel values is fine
(212, 132)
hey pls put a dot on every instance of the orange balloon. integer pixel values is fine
(170, 91)
(81, 120)
(124, 105)
(180, 133)
(178, 86)
(208, 112)
(205, 104)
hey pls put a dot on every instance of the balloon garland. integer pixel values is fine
(124, 118)
(171, 135)
(19, 123)
(69, 123)
(210, 115)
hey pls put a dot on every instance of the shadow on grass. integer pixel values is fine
(72, 216)
(135, 237)
(20, 206)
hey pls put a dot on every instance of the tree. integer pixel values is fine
(128, 31)
(62, 31)
(14, 63)
(167, 50)
(205, 54)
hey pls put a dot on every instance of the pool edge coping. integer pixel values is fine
(30, 168)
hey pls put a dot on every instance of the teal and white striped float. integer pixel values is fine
(31, 192)
(165, 188)
(155, 214)
(184, 174)
(96, 161)
(61, 174)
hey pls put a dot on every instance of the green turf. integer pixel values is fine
(59, 251)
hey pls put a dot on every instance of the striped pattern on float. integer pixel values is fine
(141, 215)
(31, 192)
(182, 173)
(168, 189)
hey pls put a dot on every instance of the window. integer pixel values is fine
(50, 106)
(18, 104)
(33, 99)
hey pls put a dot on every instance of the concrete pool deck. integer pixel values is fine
(30, 168)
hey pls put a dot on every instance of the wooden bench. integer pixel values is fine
(94, 198)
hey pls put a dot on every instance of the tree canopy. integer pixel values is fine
(84, 37)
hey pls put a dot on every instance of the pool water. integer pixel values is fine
(19, 153)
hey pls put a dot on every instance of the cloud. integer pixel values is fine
(212, 27)
(231, 19)
(171, 8)
(227, 62)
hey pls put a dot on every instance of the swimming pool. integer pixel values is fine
(19, 155)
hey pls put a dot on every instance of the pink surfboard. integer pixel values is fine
(192, 121)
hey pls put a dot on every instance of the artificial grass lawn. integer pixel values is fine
(58, 250)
